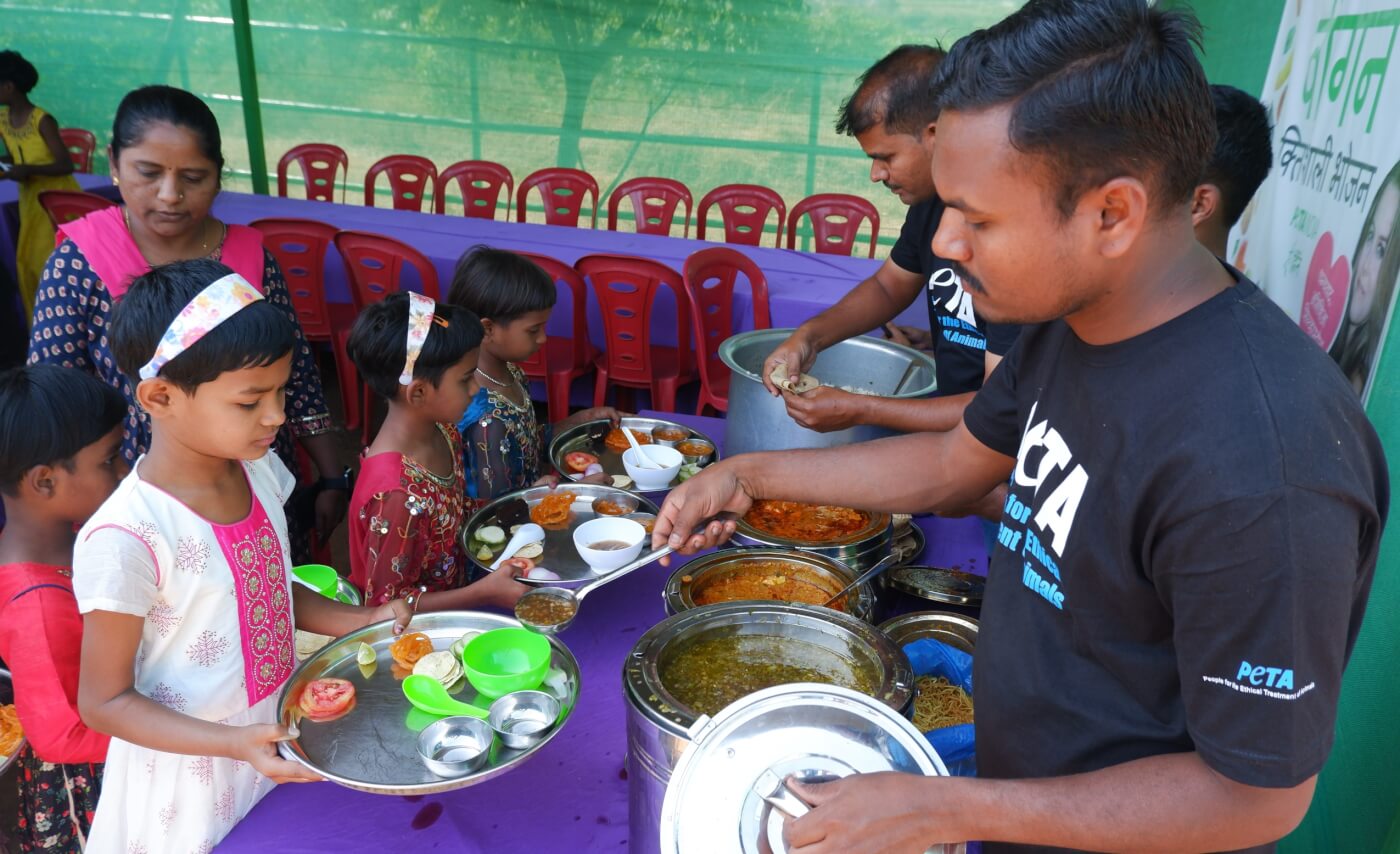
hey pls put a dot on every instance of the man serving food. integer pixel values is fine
(1196, 496)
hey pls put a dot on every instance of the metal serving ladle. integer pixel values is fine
(887, 562)
(572, 599)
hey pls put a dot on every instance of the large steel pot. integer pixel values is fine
(829, 575)
(658, 725)
(758, 421)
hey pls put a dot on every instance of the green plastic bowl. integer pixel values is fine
(324, 579)
(503, 661)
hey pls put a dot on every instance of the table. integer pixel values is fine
(572, 796)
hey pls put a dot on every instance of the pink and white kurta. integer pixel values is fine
(217, 645)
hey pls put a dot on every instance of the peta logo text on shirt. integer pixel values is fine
(1038, 532)
(1263, 680)
(953, 308)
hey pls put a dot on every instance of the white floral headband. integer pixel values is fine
(220, 300)
(420, 323)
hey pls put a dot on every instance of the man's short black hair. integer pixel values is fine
(893, 92)
(378, 343)
(1100, 88)
(499, 285)
(1243, 152)
(48, 414)
(259, 334)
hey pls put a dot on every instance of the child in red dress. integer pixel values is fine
(60, 457)
(410, 497)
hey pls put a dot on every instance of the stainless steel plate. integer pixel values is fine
(7, 697)
(947, 586)
(560, 556)
(374, 748)
(578, 439)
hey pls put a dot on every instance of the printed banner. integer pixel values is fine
(1320, 235)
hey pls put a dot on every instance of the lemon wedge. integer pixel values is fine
(366, 655)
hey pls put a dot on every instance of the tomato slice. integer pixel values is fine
(579, 460)
(326, 699)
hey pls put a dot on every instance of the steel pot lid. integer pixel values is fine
(951, 586)
(715, 800)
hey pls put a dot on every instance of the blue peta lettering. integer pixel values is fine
(1271, 677)
(972, 341)
(1047, 589)
(1036, 549)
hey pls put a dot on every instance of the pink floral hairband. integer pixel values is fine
(420, 323)
(220, 300)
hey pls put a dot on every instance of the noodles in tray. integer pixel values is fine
(939, 703)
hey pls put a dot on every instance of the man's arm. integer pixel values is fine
(915, 473)
(869, 305)
(1166, 803)
(826, 409)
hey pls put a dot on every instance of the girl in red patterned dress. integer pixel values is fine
(409, 499)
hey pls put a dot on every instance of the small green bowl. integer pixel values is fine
(503, 661)
(324, 579)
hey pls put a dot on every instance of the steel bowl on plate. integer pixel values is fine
(455, 746)
(704, 577)
(956, 630)
(523, 718)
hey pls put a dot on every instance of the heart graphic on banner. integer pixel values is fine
(1324, 294)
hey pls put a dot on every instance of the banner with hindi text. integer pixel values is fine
(1320, 236)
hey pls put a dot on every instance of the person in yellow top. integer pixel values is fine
(36, 158)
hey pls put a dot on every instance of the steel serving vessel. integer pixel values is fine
(560, 555)
(758, 421)
(824, 573)
(858, 550)
(659, 726)
(374, 747)
(956, 630)
(588, 437)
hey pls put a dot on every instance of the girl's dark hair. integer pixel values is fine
(1098, 88)
(18, 70)
(150, 105)
(378, 343)
(258, 335)
(48, 414)
(499, 285)
(893, 93)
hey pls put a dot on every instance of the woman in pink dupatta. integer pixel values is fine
(166, 158)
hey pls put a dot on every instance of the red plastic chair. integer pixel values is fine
(626, 289)
(836, 219)
(320, 162)
(654, 202)
(563, 191)
(374, 265)
(562, 360)
(744, 209)
(480, 183)
(67, 205)
(300, 245)
(81, 145)
(710, 276)
(410, 177)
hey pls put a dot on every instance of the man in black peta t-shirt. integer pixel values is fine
(962, 340)
(893, 120)
(1196, 497)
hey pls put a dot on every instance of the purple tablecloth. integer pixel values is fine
(572, 796)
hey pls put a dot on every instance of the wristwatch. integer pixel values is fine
(342, 482)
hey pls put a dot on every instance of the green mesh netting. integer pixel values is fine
(707, 93)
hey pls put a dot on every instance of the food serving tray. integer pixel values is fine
(589, 436)
(560, 555)
(7, 697)
(373, 748)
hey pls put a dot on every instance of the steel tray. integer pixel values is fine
(374, 747)
(580, 438)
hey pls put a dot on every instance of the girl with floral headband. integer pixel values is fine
(410, 497)
(183, 575)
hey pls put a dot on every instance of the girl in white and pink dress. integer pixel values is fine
(183, 575)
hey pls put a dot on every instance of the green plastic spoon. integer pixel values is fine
(427, 694)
